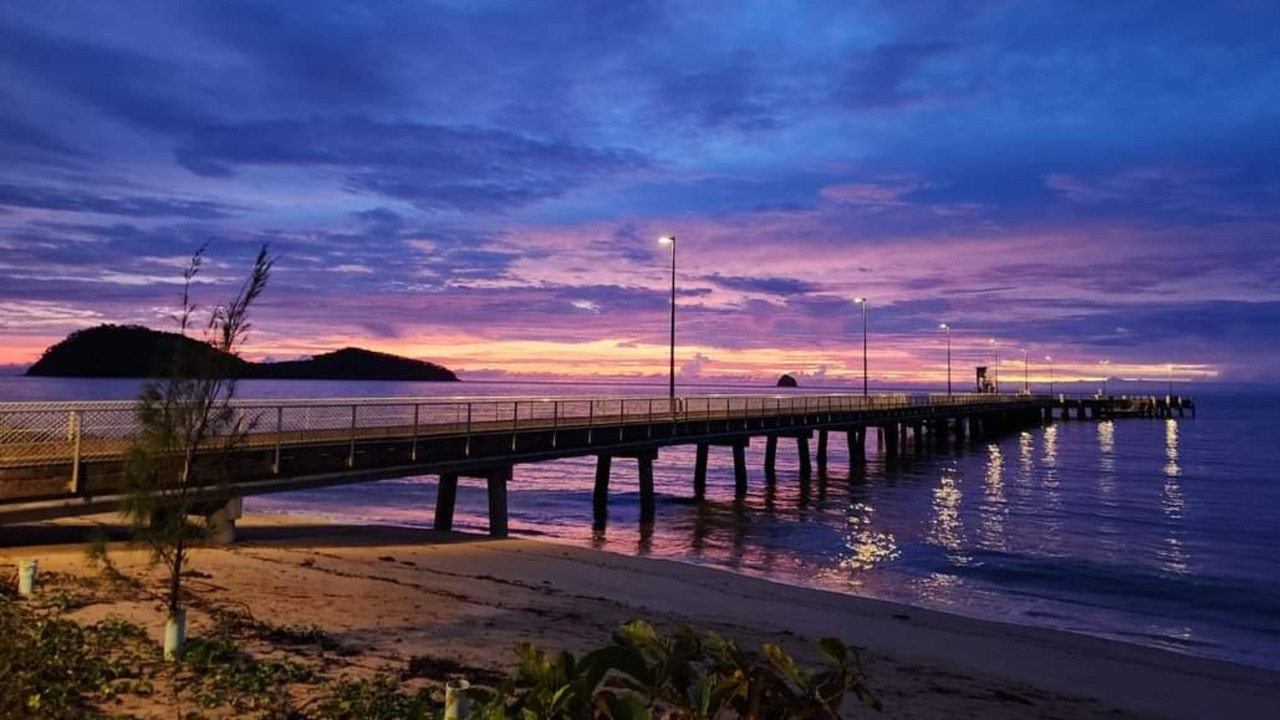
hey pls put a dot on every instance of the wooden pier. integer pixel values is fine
(62, 459)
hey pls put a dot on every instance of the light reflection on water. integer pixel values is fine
(1173, 557)
(1171, 468)
(868, 546)
(994, 508)
(946, 527)
(1111, 543)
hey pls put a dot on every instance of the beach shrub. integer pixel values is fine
(684, 676)
(376, 699)
(221, 675)
(57, 669)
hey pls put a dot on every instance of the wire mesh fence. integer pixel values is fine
(59, 432)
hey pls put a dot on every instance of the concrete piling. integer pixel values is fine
(496, 479)
(600, 496)
(700, 473)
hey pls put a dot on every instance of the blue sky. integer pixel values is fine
(482, 183)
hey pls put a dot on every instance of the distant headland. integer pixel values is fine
(133, 351)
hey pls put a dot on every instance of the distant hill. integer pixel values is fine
(353, 364)
(126, 351)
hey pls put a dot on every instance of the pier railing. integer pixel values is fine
(56, 432)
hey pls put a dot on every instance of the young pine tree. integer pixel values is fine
(188, 427)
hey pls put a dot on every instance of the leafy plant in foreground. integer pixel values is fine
(685, 676)
(56, 669)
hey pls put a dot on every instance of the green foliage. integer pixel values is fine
(685, 676)
(377, 699)
(66, 601)
(56, 669)
(220, 675)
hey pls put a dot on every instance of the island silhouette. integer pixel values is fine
(133, 351)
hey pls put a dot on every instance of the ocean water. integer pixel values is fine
(1158, 532)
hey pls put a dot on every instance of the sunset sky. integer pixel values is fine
(482, 184)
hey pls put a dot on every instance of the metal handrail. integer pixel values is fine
(44, 432)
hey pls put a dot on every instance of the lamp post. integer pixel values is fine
(863, 302)
(1049, 359)
(1026, 373)
(671, 386)
(996, 345)
(1104, 362)
(1170, 366)
(947, 328)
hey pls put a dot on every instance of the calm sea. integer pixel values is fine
(1158, 532)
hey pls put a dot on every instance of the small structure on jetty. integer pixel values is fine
(1102, 407)
(62, 459)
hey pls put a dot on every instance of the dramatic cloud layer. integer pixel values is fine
(483, 183)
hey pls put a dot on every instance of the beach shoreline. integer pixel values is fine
(395, 593)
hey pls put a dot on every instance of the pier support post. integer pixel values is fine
(856, 439)
(770, 455)
(645, 462)
(222, 522)
(740, 470)
(917, 433)
(700, 473)
(806, 462)
(600, 496)
(822, 453)
(446, 500)
(960, 428)
(891, 435)
(497, 482)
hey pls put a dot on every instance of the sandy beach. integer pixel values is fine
(392, 594)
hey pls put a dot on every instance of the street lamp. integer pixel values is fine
(1170, 366)
(996, 345)
(1049, 359)
(947, 328)
(863, 302)
(1105, 363)
(671, 388)
(1026, 373)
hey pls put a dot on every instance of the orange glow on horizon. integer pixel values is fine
(905, 360)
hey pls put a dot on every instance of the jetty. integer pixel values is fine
(62, 459)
